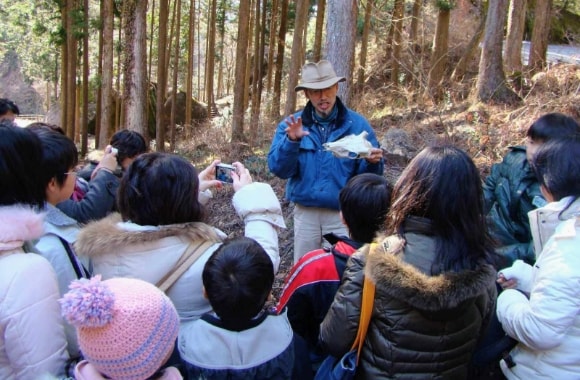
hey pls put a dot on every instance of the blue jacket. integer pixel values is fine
(315, 176)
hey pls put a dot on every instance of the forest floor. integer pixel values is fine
(484, 131)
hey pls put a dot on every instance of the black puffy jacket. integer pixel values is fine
(422, 326)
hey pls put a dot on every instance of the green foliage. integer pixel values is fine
(445, 5)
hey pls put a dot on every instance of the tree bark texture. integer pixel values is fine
(414, 29)
(277, 91)
(461, 67)
(240, 72)
(107, 78)
(369, 4)
(297, 59)
(397, 27)
(341, 40)
(491, 84)
(320, 12)
(540, 33)
(439, 57)
(135, 66)
(515, 34)
(175, 72)
(189, 78)
(161, 75)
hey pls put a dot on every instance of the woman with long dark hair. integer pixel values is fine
(436, 292)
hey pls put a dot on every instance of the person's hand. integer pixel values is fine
(108, 163)
(207, 177)
(374, 156)
(241, 176)
(505, 283)
(294, 130)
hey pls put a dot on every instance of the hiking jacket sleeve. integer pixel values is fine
(97, 202)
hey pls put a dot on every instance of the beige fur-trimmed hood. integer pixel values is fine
(403, 281)
(105, 236)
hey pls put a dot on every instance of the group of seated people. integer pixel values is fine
(119, 276)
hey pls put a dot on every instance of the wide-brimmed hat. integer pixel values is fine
(318, 76)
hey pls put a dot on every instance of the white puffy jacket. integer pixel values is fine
(547, 325)
(123, 249)
(32, 339)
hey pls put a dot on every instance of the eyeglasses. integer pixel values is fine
(74, 171)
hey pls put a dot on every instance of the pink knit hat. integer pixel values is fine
(126, 327)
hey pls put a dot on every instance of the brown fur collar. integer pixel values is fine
(403, 281)
(103, 236)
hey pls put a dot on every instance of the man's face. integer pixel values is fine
(323, 100)
(9, 115)
(531, 148)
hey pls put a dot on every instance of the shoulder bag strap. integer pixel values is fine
(79, 269)
(192, 253)
(368, 299)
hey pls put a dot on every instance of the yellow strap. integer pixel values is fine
(368, 299)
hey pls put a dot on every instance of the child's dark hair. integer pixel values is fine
(21, 179)
(238, 279)
(557, 167)
(443, 185)
(551, 126)
(59, 155)
(160, 189)
(45, 126)
(128, 143)
(364, 203)
(7, 105)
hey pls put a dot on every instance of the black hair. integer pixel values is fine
(7, 105)
(557, 167)
(551, 126)
(128, 143)
(45, 126)
(59, 155)
(159, 189)
(238, 279)
(364, 203)
(21, 179)
(443, 185)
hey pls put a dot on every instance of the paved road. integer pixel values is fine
(556, 53)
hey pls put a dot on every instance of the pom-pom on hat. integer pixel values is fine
(126, 327)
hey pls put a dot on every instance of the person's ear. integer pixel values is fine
(307, 94)
(204, 292)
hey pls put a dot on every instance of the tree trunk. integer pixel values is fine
(540, 33)
(471, 48)
(174, 79)
(86, 70)
(99, 108)
(209, 71)
(491, 85)
(364, 45)
(277, 93)
(222, 31)
(107, 78)
(189, 79)
(320, 12)
(297, 54)
(134, 66)
(414, 30)
(341, 40)
(239, 82)
(397, 27)
(272, 44)
(71, 71)
(161, 75)
(439, 56)
(515, 34)
(249, 59)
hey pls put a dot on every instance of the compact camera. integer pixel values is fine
(223, 173)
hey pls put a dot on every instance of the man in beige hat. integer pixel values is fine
(315, 176)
